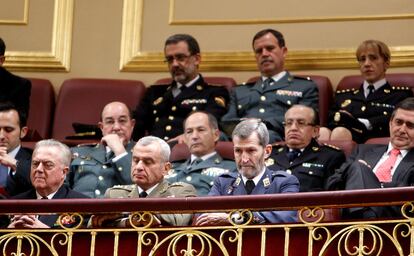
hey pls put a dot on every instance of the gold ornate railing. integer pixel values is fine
(318, 231)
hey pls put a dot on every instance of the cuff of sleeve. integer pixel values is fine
(119, 157)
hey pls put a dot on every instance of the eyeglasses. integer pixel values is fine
(400, 122)
(299, 123)
(178, 58)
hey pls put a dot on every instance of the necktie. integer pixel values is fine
(44, 198)
(143, 194)
(249, 186)
(195, 162)
(383, 172)
(268, 82)
(176, 91)
(3, 175)
(371, 90)
(293, 154)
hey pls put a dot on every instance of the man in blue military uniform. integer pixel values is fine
(302, 155)
(164, 107)
(271, 96)
(96, 168)
(364, 113)
(251, 148)
(201, 135)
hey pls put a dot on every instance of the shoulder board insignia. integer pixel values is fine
(220, 101)
(124, 187)
(332, 146)
(387, 91)
(178, 184)
(356, 91)
(158, 101)
(300, 78)
(269, 161)
(345, 103)
(217, 160)
(400, 88)
(199, 87)
(266, 182)
(94, 144)
(247, 83)
(315, 149)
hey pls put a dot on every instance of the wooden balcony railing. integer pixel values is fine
(315, 233)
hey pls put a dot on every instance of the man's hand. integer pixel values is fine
(26, 221)
(7, 160)
(179, 139)
(114, 142)
(100, 220)
(212, 219)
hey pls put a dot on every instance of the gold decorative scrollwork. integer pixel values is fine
(240, 217)
(142, 219)
(26, 244)
(311, 216)
(317, 234)
(407, 210)
(70, 220)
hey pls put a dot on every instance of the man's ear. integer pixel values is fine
(268, 150)
(23, 132)
(100, 125)
(167, 167)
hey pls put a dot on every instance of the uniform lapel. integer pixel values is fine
(100, 154)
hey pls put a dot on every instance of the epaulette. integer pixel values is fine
(217, 85)
(354, 90)
(331, 146)
(128, 188)
(279, 174)
(401, 88)
(307, 78)
(246, 84)
(90, 145)
(178, 184)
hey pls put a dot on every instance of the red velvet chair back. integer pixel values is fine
(180, 152)
(228, 82)
(82, 100)
(379, 140)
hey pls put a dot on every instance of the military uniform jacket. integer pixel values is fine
(92, 174)
(164, 189)
(312, 167)
(162, 115)
(15, 89)
(272, 182)
(377, 108)
(201, 175)
(270, 104)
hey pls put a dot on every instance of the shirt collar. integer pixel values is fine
(179, 85)
(255, 179)
(403, 152)
(50, 196)
(13, 153)
(205, 157)
(276, 77)
(148, 191)
(376, 85)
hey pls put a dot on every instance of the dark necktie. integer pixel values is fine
(371, 90)
(195, 162)
(143, 194)
(249, 186)
(44, 198)
(293, 154)
(4, 170)
(268, 82)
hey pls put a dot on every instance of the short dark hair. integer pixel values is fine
(315, 113)
(2, 47)
(212, 120)
(275, 33)
(7, 106)
(192, 44)
(406, 104)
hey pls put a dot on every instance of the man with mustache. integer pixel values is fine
(363, 113)
(251, 148)
(302, 155)
(95, 168)
(271, 96)
(381, 166)
(164, 107)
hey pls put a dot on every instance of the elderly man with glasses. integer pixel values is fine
(302, 156)
(162, 111)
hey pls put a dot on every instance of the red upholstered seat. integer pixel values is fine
(380, 140)
(42, 105)
(397, 79)
(82, 100)
(180, 152)
(228, 82)
(325, 94)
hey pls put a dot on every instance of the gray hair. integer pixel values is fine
(247, 127)
(164, 147)
(62, 149)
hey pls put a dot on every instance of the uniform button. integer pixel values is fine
(82, 162)
(168, 128)
(385, 113)
(104, 166)
(154, 112)
(101, 178)
(262, 98)
(173, 108)
(171, 118)
(166, 138)
(289, 171)
(289, 102)
(211, 183)
(262, 110)
(239, 106)
(194, 108)
(97, 192)
(188, 178)
(363, 108)
(120, 168)
(157, 119)
(310, 172)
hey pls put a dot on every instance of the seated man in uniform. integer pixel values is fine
(360, 114)
(378, 166)
(271, 96)
(164, 107)
(251, 148)
(201, 135)
(150, 162)
(95, 168)
(50, 164)
(302, 156)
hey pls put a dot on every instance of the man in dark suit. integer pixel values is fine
(14, 159)
(364, 113)
(201, 135)
(271, 96)
(164, 107)
(302, 155)
(13, 88)
(381, 166)
(50, 164)
(251, 148)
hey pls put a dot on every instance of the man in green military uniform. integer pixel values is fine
(302, 155)
(271, 96)
(150, 162)
(205, 164)
(363, 113)
(95, 168)
(163, 109)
